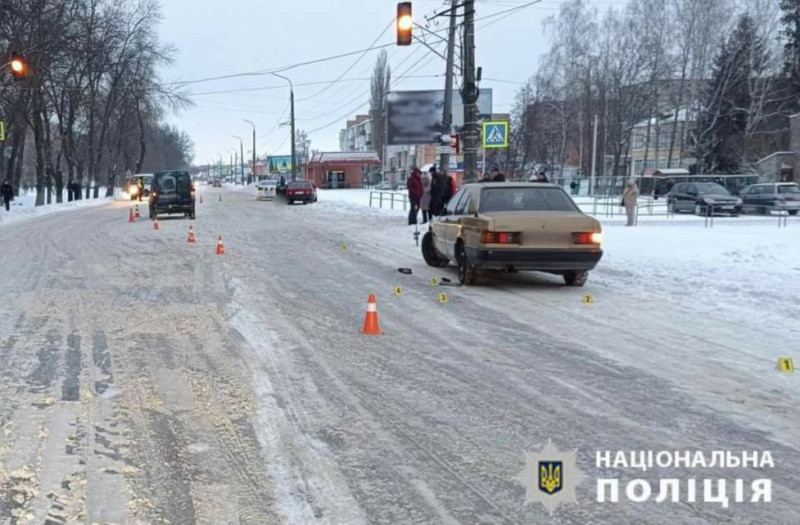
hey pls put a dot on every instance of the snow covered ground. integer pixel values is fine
(148, 380)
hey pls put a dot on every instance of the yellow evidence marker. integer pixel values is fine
(786, 364)
(398, 291)
(588, 299)
(443, 298)
(434, 281)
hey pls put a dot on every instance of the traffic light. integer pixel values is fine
(405, 24)
(18, 66)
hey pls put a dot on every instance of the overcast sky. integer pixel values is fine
(215, 38)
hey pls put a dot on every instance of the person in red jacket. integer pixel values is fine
(415, 191)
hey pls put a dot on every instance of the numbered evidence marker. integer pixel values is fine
(434, 281)
(785, 364)
(398, 291)
(588, 299)
(443, 298)
(344, 246)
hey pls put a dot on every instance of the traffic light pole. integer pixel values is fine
(447, 120)
(470, 96)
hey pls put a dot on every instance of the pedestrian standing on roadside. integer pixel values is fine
(436, 205)
(7, 192)
(445, 188)
(415, 192)
(425, 202)
(630, 198)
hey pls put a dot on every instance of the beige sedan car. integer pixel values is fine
(514, 226)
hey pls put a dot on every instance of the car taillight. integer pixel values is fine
(488, 237)
(587, 238)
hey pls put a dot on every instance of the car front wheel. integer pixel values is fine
(431, 254)
(576, 278)
(467, 273)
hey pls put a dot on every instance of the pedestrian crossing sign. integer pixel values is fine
(495, 134)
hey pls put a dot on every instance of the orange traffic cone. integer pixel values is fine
(131, 218)
(191, 234)
(137, 212)
(155, 224)
(371, 326)
(220, 247)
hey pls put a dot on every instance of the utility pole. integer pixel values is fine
(241, 158)
(253, 170)
(594, 157)
(447, 120)
(470, 95)
(291, 103)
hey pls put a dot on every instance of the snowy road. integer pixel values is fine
(147, 380)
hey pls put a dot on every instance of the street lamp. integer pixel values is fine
(253, 169)
(241, 157)
(291, 102)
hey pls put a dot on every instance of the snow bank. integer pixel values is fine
(24, 207)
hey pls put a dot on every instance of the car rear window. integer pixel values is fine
(789, 188)
(526, 199)
(306, 185)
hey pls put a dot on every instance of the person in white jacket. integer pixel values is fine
(425, 202)
(630, 198)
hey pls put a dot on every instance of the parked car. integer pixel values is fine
(132, 186)
(702, 198)
(514, 226)
(216, 184)
(172, 192)
(302, 191)
(766, 198)
(266, 190)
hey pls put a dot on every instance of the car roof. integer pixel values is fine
(514, 184)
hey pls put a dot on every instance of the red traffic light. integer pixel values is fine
(455, 143)
(405, 24)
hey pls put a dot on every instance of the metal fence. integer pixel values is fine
(390, 198)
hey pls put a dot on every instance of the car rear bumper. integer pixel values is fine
(544, 260)
(172, 208)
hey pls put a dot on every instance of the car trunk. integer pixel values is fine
(544, 230)
(174, 190)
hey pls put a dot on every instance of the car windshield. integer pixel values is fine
(709, 188)
(526, 199)
(789, 188)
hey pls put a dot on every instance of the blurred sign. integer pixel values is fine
(416, 117)
(279, 164)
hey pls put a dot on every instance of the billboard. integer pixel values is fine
(415, 117)
(279, 164)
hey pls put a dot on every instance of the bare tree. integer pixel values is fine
(381, 81)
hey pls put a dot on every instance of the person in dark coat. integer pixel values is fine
(415, 191)
(7, 192)
(447, 187)
(497, 176)
(437, 193)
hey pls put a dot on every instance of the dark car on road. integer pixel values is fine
(216, 184)
(172, 192)
(702, 198)
(301, 191)
(766, 198)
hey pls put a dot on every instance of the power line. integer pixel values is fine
(346, 71)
